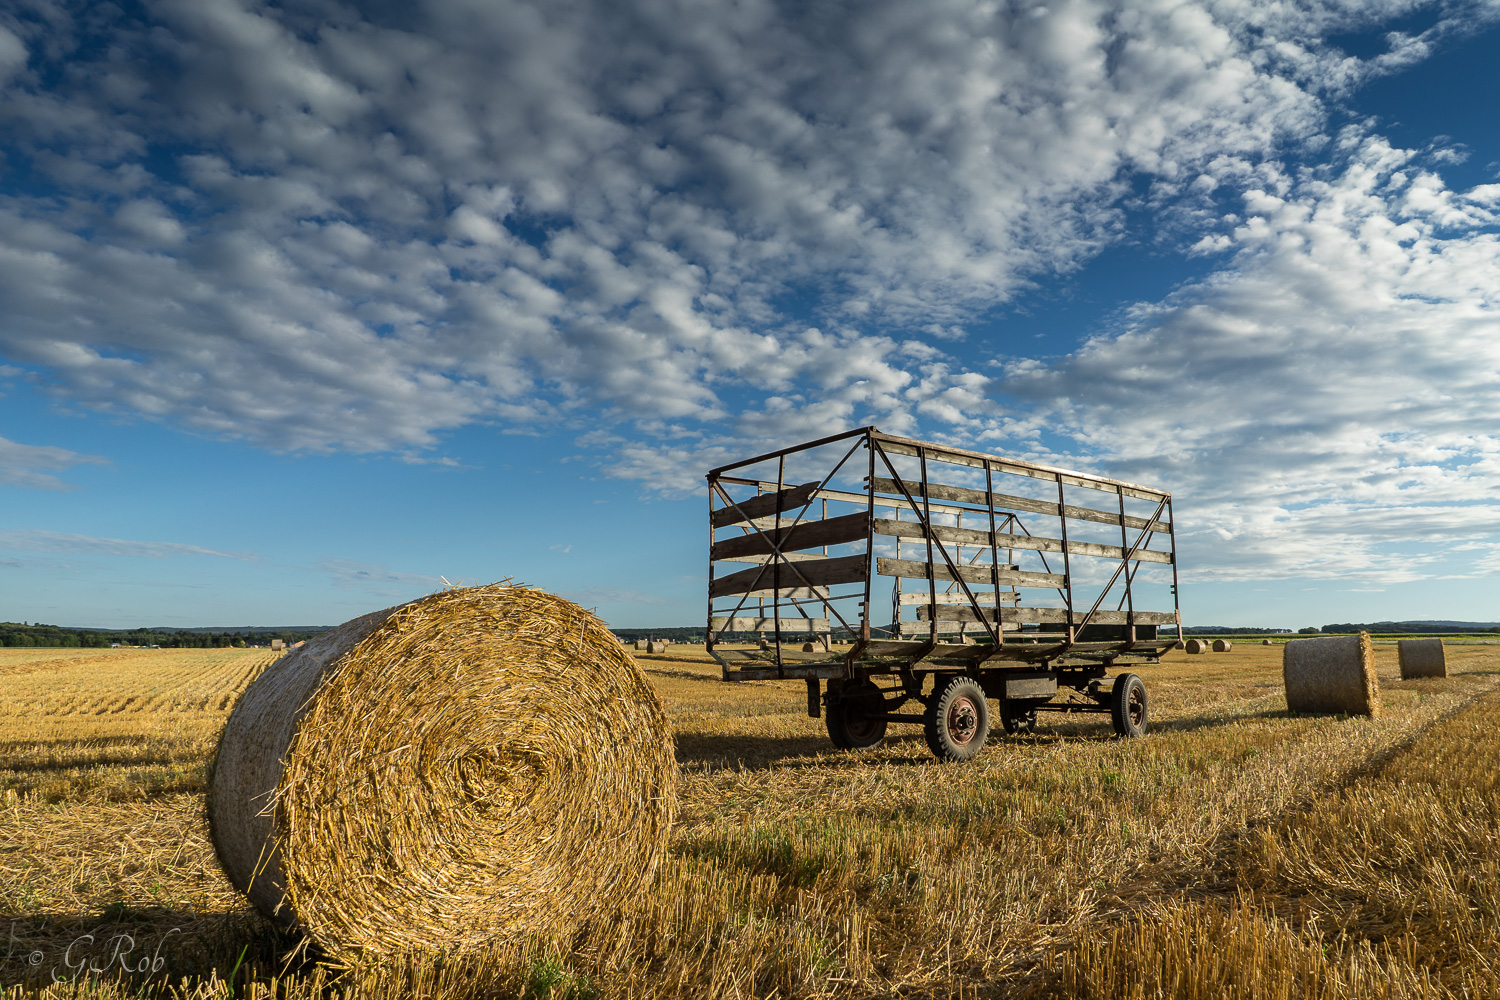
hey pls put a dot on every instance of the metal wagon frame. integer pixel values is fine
(972, 635)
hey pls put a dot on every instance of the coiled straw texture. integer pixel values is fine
(1332, 674)
(480, 764)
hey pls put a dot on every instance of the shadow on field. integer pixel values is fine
(140, 947)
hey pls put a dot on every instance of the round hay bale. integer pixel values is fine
(1267, 642)
(1179, 644)
(656, 647)
(808, 647)
(479, 764)
(642, 645)
(1222, 645)
(1196, 646)
(1331, 674)
(1421, 658)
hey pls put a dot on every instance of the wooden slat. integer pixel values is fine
(1004, 540)
(1015, 616)
(1014, 467)
(791, 500)
(961, 494)
(957, 597)
(814, 572)
(912, 569)
(725, 624)
(786, 556)
(803, 535)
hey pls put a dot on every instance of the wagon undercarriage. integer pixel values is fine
(963, 540)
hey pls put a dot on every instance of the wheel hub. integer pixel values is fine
(963, 720)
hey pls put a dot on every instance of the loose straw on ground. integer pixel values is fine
(480, 764)
(1332, 674)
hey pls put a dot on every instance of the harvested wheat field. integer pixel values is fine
(1236, 850)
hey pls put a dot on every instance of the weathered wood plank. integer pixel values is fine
(790, 500)
(787, 556)
(727, 624)
(1005, 540)
(1016, 616)
(803, 535)
(1016, 467)
(957, 597)
(912, 569)
(813, 572)
(962, 494)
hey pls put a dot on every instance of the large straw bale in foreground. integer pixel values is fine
(1421, 658)
(1332, 674)
(478, 764)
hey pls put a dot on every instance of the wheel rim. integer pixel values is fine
(860, 726)
(1136, 707)
(963, 720)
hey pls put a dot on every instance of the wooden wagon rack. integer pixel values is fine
(799, 538)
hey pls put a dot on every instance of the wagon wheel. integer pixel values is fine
(849, 721)
(1127, 705)
(1018, 719)
(957, 721)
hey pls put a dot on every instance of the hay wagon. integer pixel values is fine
(885, 571)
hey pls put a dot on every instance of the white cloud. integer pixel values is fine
(40, 540)
(32, 466)
(1327, 405)
(363, 232)
(351, 574)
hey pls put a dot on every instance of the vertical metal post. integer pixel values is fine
(1062, 519)
(1176, 601)
(709, 635)
(869, 544)
(776, 561)
(1124, 554)
(932, 607)
(998, 632)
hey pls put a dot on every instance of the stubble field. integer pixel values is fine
(1237, 850)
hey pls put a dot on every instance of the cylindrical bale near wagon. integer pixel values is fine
(1222, 645)
(1421, 658)
(1196, 646)
(1331, 674)
(479, 764)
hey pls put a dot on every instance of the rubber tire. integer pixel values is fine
(846, 726)
(1018, 721)
(1128, 706)
(950, 703)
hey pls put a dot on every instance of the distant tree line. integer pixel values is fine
(1405, 628)
(24, 634)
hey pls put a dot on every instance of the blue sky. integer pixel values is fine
(307, 307)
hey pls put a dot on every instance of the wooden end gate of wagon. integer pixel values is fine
(798, 539)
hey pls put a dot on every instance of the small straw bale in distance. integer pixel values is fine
(1267, 642)
(483, 763)
(1331, 674)
(1421, 658)
(1196, 646)
(656, 647)
(1222, 645)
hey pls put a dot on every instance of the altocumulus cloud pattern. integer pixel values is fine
(698, 227)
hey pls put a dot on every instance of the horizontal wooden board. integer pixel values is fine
(1015, 467)
(726, 624)
(1003, 540)
(787, 556)
(812, 573)
(803, 535)
(957, 597)
(1015, 616)
(962, 494)
(790, 500)
(912, 569)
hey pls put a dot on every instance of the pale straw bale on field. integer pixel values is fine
(1421, 658)
(475, 765)
(1331, 674)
